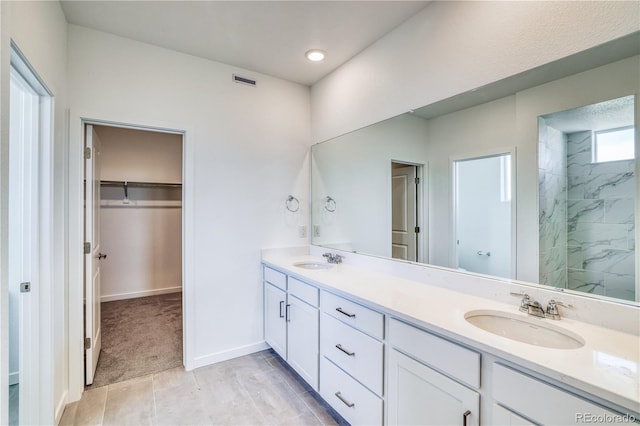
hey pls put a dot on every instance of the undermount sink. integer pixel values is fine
(312, 265)
(534, 331)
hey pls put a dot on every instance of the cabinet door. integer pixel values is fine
(502, 416)
(275, 326)
(303, 349)
(419, 395)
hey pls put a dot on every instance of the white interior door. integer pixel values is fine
(23, 268)
(403, 212)
(483, 215)
(93, 341)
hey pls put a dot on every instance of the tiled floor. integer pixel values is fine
(256, 389)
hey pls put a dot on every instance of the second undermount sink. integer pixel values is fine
(310, 264)
(534, 331)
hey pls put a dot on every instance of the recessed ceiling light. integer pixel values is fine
(315, 55)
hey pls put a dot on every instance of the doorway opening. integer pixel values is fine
(484, 215)
(133, 253)
(405, 212)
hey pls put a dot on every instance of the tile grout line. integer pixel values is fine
(154, 414)
(311, 409)
(104, 406)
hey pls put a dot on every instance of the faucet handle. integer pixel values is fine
(552, 309)
(525, 302)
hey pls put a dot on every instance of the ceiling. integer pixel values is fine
(601, 116)
(270, 37)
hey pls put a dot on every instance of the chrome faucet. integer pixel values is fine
(534, 308)
(333, 258)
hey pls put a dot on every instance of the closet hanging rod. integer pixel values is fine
(140, 184)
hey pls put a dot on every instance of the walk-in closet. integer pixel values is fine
(140, 252)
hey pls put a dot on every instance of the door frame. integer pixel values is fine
(422, 202)
(36, 403)
(77, 120)
(476, 155)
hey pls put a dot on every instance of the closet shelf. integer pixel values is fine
(140, 184)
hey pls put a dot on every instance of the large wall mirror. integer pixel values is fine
(531, 178)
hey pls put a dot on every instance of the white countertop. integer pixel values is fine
(607, 366)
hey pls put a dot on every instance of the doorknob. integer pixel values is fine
(101, 256)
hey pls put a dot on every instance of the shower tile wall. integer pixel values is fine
(552, 175)
(600, 222)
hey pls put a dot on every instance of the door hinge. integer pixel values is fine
(87, 342)
(417, 181)
(87, 153)
(417, 229)
(25, 287)
(87, 248)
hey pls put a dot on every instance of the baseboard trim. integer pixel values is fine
(136, 294)
(216, 357)
(14, 378)
(62, 404)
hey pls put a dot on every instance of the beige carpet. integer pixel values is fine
(139, 337)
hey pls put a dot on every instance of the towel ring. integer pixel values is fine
(330, 204)
(293, 205)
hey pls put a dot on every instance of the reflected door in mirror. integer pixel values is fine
(404, 211)
(482, 194)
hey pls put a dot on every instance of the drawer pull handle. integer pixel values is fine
(287, 313)
(345, 313)
(339, 346)
(344, 401)
(281, 313)
(464, 417)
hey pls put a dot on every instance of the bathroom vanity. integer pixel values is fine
(387, 350)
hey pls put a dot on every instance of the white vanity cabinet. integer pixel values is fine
(502, 416)
(380, 366)
(292, 322)
(425, 374)
(525, 397)
(352, 359)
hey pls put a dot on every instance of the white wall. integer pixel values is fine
(485, 129)
(452, 47)
(355, 170)
(250, 149)
(30, 24)
(142, 238)
(139, 155)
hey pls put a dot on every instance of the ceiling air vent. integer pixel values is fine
(244, 80)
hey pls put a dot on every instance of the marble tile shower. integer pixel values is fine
(553, 206)
(587, 216)
(600, 221)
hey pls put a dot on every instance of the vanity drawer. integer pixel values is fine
(304, 291)
(353, 351)
(365, 319)
(276, 278)
(354, 402)
(451, 359)
(539, 401)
